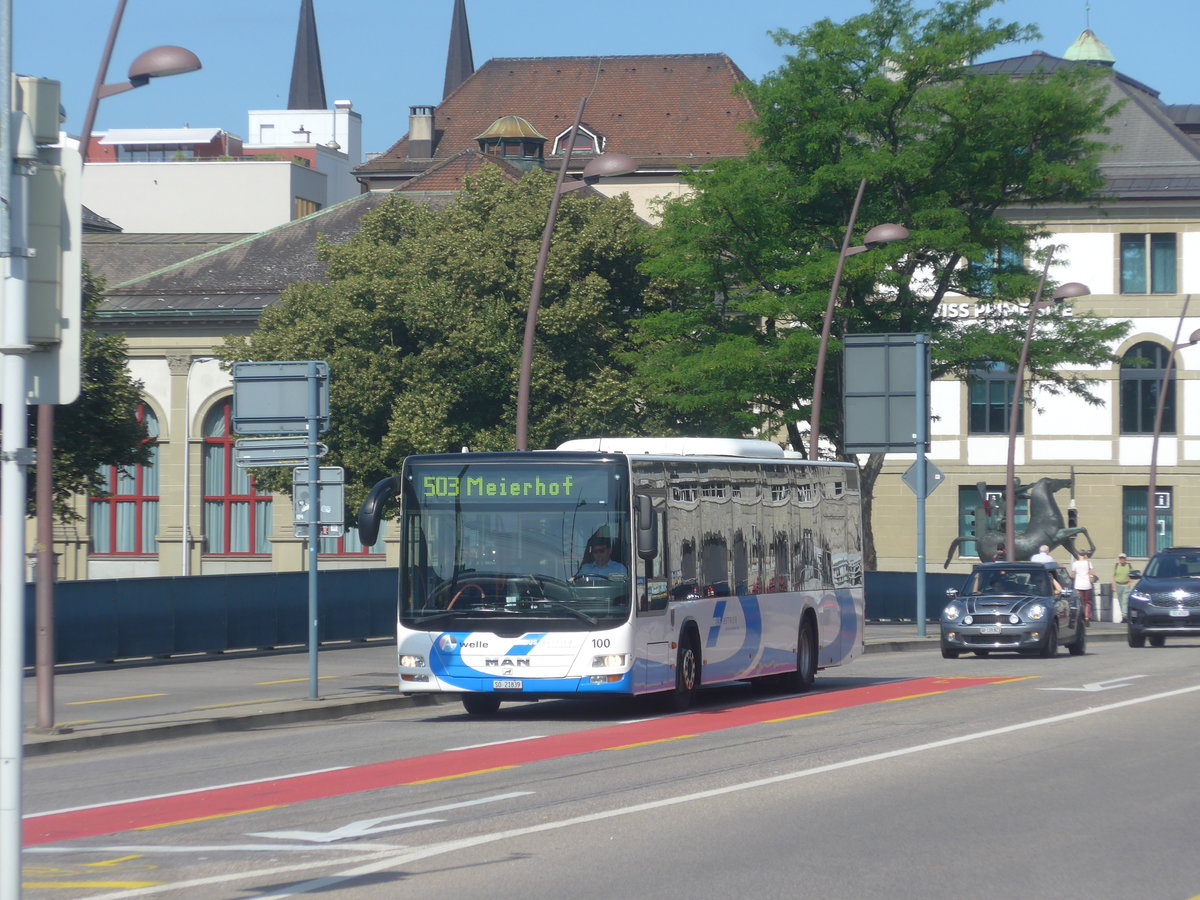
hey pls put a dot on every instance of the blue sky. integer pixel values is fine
(387, 55)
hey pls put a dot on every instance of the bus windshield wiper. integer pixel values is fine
(572, 610)
(474, 612)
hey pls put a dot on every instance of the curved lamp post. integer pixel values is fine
(1152, 489)
(877, 236)
(157, 62)
(1062, 292)
(604, 164)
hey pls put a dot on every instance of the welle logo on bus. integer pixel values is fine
(510, 482)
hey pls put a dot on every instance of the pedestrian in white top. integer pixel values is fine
(1084, 577)
(1043, 555)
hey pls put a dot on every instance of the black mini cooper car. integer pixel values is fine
(1014, 607)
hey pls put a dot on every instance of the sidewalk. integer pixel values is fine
(114, 706)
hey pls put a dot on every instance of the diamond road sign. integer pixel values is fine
(933, 477)
(281, 451)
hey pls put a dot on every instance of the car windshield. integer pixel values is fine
(1174, 564)
(1006, 581)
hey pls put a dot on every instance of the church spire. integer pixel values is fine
(459, 64)
(308, 83)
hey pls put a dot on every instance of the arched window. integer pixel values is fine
(125, 521)
(990, 390)
(237, 518)
(1142, 370)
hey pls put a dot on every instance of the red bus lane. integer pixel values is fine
(153, 812)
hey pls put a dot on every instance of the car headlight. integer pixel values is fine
(951, 612)
(1037, 611)
(1140, 596)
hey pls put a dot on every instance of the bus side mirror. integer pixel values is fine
(370, 514)
(647, 527)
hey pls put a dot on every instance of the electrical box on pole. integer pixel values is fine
(54, 256)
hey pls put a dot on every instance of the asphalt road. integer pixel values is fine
(903, 774)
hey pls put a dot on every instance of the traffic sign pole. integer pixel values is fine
(314, 512)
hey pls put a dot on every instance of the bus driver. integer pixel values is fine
(600, 561)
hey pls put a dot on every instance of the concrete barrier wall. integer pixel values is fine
(135, 618)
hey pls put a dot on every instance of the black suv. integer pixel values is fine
(1166, 600)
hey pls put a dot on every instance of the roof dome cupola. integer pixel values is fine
(1089, 48)
(515, 140)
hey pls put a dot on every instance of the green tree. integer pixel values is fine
(945, 148)
(422, 317)
(100, 428)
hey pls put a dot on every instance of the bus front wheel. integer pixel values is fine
(687, 674)
(481, 704)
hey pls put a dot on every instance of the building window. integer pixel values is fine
(125, 521)
(985, 277)
(585, 142)
(237, 518)
(989, 398)
(302, 206)
(1148, 263)
(1133, 519)
(154, 152)
(1142, 370)
(351, 545)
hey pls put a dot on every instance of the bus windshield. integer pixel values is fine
(514, 541)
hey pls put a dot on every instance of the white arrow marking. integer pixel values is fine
(1094, 686)
(378, 826)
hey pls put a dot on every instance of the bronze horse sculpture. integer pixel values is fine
(1046, 526)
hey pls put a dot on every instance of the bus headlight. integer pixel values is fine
(610, 661)
(409, 661)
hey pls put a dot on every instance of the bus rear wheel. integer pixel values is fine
(481, 704)
(806, 660)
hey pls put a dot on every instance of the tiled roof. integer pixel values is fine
(447, 176)
(240, 279)
(119, 257)
(674, 110)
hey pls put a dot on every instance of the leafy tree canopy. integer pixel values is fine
(422, 317)
(745, 263)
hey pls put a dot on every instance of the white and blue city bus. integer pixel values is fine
(726, 560)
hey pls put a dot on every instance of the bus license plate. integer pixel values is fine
(506, 685)
(989, 629)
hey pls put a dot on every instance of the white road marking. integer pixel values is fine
(388, 860)
(1093, 686)
(532, 737)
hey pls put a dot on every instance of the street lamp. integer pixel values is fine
(1160, 402)
(604, 164)
(877, 236)
(1062, 292)
(157, 62)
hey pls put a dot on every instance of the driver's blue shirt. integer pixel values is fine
(613, 568)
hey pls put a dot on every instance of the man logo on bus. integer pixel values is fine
(506, 662)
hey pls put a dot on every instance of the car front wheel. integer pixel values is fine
(1135, 637)
(1078, 646)
(1050, 648)
(947, 653)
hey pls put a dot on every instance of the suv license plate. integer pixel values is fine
(1179, 613)
(989, 629)
(507, 685)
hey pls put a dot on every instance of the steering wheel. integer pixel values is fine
(462, 590)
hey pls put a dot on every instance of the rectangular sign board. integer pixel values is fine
(881, 385)
(274, 397)
(330, 495)
(251, 453)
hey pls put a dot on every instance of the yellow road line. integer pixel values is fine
(291, 680)
(648, 743)
(113, 862)
(114, 699)
(90, 884)
(461, 775)
(242, 703)
(819, 712)
(240, 812)
(913, 696)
